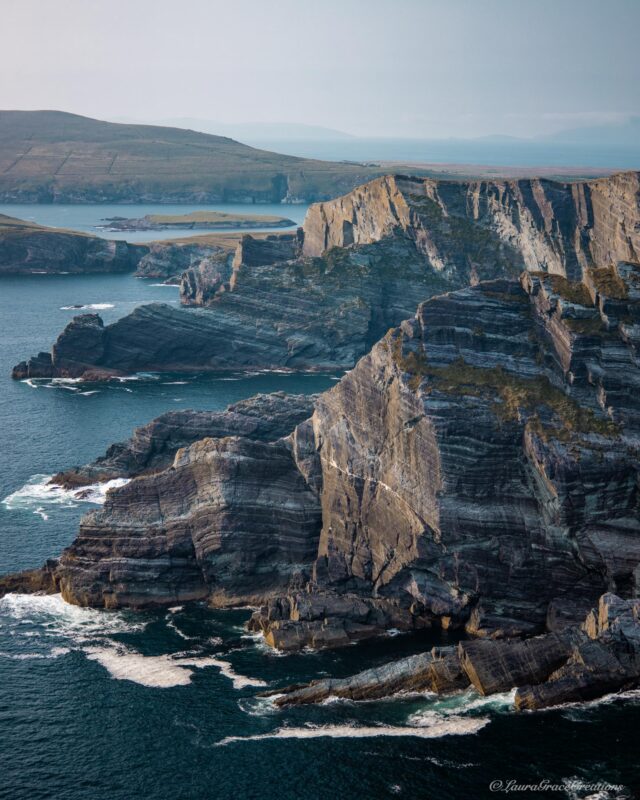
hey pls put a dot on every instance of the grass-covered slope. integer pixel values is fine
(52, 156)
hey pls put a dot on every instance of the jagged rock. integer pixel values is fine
(202, 283)
(260, 252)
(168, 260)
(232, 520)
(32, 581)
(607, 661)
(152, 447)
(324, 619)
(39, 366)
(562, 668)
(438, 670)
(498, 666)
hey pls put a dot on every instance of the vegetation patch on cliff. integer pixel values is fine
(513, 394)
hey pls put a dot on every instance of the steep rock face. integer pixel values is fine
(478, 469)
(253, 252)
(169, 260)
(322, 297)
(562, 228)
(152, 447)
(27, 248)
(232, 520)
(480, 465)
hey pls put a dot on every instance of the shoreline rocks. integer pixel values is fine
(27, 248)
(320, 298)
(583, 664)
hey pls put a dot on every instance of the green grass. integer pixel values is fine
(609, 283)
(218, 218)
(512, 393)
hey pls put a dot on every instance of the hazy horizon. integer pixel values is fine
(410, 68)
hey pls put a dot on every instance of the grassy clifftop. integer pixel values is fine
(52, 156)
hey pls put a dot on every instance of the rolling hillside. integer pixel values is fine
(52, 156)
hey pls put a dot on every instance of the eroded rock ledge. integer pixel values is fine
(581, 663)
(477, 470)
(361, 264)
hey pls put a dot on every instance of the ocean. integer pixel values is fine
(162, 705)
(92, 218)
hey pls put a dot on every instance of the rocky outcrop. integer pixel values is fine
(322, 313)
(322, 297)
(562, 228)
(600, 657)
(152, 447)
(26, 248)
(234, 521)
(477, 470)
(438, 670)
(169, 260)
(260, 252)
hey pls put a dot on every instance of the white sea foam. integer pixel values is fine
(460, 703)
(163, 671)
(453, 726)
(88, 307)
(60, 619)
(167, 285)
(55, 652)
(239, 681)
(86, 394)
(38, 492)
(171, 624)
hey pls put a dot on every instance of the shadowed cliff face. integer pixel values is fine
(29, 248)
(478, 469)
(361, 264)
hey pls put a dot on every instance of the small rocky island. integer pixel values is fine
(476, 470)
(214, 220)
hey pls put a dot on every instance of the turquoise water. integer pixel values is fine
(161, 705)
(90, 218)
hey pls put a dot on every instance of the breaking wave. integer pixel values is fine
(163, 671)
(39, 492)
(453, 726)
(88, 307)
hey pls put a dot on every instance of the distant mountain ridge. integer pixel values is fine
(54, 156)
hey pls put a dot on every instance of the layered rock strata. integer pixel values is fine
(169, 260)
(152, 447)
(477, 470)
(27, 248)
(361, 263)
(582, 663)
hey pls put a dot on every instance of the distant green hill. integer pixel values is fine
(52, 156)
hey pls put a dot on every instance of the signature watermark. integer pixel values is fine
(513, 786)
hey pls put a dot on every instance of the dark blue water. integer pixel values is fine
(157, 706)
(91, 217)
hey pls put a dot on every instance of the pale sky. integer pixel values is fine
(415, 68)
